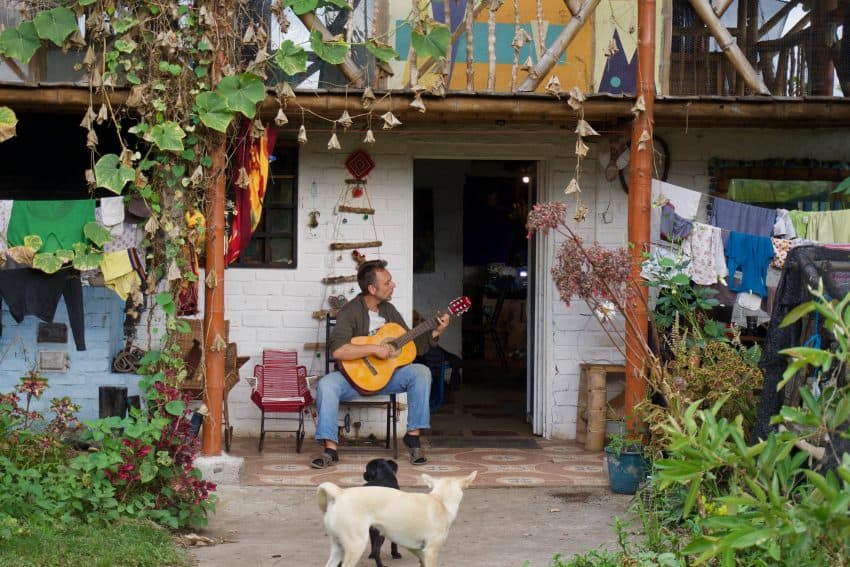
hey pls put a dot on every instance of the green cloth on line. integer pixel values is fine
(777, 191)
(58, 223)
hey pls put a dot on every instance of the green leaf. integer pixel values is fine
(434, 43)
(242, 93)
(8, 121)
(148, 470)
(166, 302)
(47, 262)
(65, 256)
(121, 25)
(797, 313)
(98, 234)
(213, 111)
(748, 538)
(85, 262)
(33, 241)
(86, 2)
(381, 51)
(301, 7)
(843, 187)
(167, 136)
(175, 407)
(125, 45)
(111, 174)
(20, 42)
(56, 24)
(333, 52)
(291, 58)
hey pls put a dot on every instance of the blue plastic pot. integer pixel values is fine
(626, 472)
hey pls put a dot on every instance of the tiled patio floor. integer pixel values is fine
(554, 464)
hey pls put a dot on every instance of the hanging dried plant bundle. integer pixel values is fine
(284, 90)
(417, 103)
(345, 120)
(572, 187)
(242, 180)
(390, 121)
(553, 87)
(521, 37)
(645, 137)
(280, 119)
(90, 58)
(173, 271)
(584, 129)
(257, 129)
(88, 118)
(197, 176)
(611, 49)
(333, 143)
(370, 137)
(581, 213)
(581, 148)
(302, 135)
(640, 105)
(576, 98)
(438, 87)
(91, 140)
(368, 98)
(136, 97)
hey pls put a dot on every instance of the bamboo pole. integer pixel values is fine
(447, 65)
(424, 67)
(470, 69)
(550, 58)
(720, 7)
(349, 68)
(540, 43)
(640, 179)
(379, 25)
(573, 6)
(411, 54)
(729, 47)
(515, 66)
(491, 44)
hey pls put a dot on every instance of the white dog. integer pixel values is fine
(415, 520)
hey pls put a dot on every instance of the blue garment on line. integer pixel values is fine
(751, 255)
(739, 217)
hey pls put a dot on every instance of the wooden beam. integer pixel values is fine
(729, 47)
(720, 7)
(349, 68)
(553, 53)
(779, 15)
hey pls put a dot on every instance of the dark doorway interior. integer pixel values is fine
(488, 258)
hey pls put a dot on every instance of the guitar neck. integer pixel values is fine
(414, 332)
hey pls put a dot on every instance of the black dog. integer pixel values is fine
(381, 472)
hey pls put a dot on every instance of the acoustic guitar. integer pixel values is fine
(370, 374)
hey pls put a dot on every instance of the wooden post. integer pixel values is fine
(581, 413)
(597, 406)
(470, 55)
(491, 46)
(214, 288)
(640, 181)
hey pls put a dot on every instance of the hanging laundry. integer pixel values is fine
(253, 156)
(118, 273)
(685, 200)
(33, 292)
(58, 223)
(5, 215)
(705, 249)
(110, 214)
(743, 218)
(781, 246)
(131, 236)
(751, 255)
(673, 227)
(829, 227)
(800, 222)
(784, 226)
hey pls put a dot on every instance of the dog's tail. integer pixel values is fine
(326, 494)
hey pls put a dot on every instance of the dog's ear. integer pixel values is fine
(371, 471)
(393, 465)
(428, 480)
(469, 478)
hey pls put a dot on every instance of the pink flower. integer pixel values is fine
(545, 216)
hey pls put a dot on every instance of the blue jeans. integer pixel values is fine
(333, 388)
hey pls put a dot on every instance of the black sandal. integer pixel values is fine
(323, 460)
(417, 456)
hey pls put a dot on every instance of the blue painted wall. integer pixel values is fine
(89, 369)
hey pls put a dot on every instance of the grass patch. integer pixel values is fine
(129, 544)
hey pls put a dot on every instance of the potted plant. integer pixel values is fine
(626, 462)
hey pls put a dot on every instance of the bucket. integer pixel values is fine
(625, 472)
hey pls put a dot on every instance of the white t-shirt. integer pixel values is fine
(375, 322)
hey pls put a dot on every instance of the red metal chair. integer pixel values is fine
(281, 387)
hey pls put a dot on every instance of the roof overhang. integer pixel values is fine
(505, 108)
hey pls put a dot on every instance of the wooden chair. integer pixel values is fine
(389, 401)
(281, 387)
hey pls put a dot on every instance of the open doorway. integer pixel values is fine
(469, 239)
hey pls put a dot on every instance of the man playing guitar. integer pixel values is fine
(364, 315)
